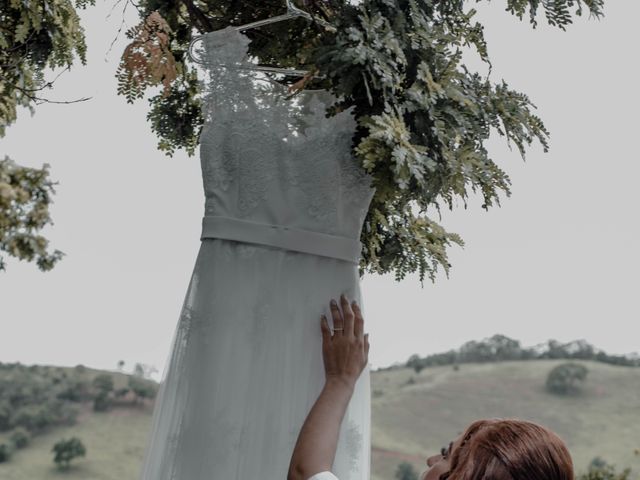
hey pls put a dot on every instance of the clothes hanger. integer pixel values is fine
(292, 11)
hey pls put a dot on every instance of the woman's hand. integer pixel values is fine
(346, 352)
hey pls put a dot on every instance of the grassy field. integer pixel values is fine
(410, 420)
(417, 419)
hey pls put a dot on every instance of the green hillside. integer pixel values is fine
(417, 419)
(411, 419)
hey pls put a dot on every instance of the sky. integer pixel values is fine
(558, 260)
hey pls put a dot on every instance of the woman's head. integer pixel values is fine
(502, 450)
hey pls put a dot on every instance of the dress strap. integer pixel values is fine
(288, 238)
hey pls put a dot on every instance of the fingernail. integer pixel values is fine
(334, 303)
(354, 303)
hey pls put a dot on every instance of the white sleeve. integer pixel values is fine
(323, 476)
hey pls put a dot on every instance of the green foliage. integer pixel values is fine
(5, 452)
(25, 196)
(501, 348)
(423, 118)
(142, 388)
(20, 437)
(75, 390)
(566, 378)
(405, 471)
(423, 121)
(557, 12)
(67, 450)
(32, 38)
(601, 470)
(102, 402)
(103, 383)
(35, 398)
(121, 392)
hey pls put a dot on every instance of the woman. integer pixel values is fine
(488, 449)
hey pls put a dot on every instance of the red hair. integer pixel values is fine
(510, 450)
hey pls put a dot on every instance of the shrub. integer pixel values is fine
(566, 378)
(27, 416)
(67, 450)
(405, 471)
(121, 392)
(141, 388)
(5, 415)
(103, 382)
(20, 437)
(601, 470)
(102, 402)
(74, 390)
(5, 452)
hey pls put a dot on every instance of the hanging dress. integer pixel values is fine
(285, 204)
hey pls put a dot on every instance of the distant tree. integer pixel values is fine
(555, 349)
(121, 392)
(80, 368)
(120, 365)
(566, 378)
(74, 390)
(5, 413)
(102, 402)
(405, 471)
(31, 417)
(415, 362)
(580, 349)
(601, 470)
(20, 437)
(5, 452)
(67, 450)
(143, 370)
(504, 348)
(103, 383)
(141, 388)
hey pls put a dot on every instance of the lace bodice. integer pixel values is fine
(276, 160)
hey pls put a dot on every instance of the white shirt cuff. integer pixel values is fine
(323, 476)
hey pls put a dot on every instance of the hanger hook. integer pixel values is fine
(293, 10)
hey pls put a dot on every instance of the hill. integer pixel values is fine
(418, 418)
(413, 415)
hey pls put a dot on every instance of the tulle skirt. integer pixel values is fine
(246, 367)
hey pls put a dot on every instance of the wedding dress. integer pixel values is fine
(285, 204)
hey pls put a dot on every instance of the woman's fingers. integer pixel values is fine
(366, 346)
(358, 326)
(347, 315)
(326, 331)
(338, 322)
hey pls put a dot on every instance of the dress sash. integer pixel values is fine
(288, 238)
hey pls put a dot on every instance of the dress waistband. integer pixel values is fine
(288, 238)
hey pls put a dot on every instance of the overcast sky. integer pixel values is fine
(558, 260)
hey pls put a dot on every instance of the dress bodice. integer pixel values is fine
(275, 160)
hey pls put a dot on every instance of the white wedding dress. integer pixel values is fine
(285, 204)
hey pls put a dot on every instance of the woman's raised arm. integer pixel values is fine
(345, 355)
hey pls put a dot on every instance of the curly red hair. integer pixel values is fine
(499, 449)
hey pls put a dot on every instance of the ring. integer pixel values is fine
(338, 329)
